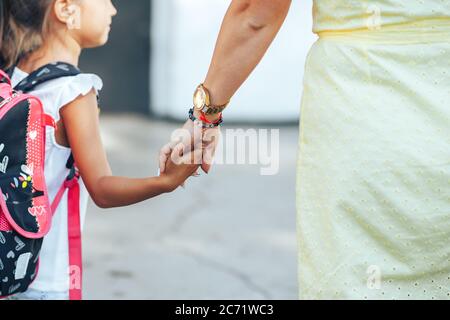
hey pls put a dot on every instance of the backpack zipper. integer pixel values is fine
(8, 100)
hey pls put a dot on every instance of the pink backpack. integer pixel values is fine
(25, 210)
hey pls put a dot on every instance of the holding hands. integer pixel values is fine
(194, 144)
(190, 148)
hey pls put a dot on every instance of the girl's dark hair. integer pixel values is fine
(23, 24)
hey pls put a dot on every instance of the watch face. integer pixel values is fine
(199, 98)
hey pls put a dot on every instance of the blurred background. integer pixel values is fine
(230, 234)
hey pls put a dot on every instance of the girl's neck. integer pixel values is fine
(53, 51)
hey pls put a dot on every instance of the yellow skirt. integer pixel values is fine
(373, 171)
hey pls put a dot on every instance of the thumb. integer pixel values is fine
(211, 140)
(208, 157)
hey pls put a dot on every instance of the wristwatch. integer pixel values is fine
(202, 101)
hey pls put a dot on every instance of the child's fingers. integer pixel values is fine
(187, 163)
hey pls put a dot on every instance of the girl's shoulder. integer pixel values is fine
(69, 88)
(59, 92)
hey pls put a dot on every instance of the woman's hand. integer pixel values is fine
(179, 167)
(191, 138)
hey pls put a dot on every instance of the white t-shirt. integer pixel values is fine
(53, 275)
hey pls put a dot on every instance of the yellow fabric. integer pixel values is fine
(373, 171)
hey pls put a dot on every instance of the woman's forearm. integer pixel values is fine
(114, 191)
(248, 29)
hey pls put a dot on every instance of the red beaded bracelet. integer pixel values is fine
(206, 123)
(203, 118)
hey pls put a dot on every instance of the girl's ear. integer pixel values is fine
(68, 13)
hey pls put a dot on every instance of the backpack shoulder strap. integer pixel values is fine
(5, 77)
(46, 73)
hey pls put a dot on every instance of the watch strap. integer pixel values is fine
(213, 109)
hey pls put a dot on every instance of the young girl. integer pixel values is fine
(33, 34)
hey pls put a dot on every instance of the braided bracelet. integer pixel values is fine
(204, 124)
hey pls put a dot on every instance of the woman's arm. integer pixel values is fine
(247, 30)
(81, 121)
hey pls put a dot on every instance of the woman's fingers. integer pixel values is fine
(192, 157)
(177, 154)
(164, 154)
(187, 140)
(182, 135)
(208, 157)
(173, 151)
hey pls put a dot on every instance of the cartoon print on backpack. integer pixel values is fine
(24, 182)
(4, 162)
(18, 262)
(20, 244)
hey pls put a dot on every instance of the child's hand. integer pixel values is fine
(180, 167)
